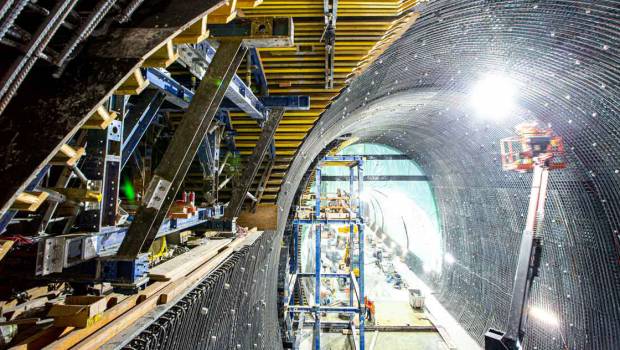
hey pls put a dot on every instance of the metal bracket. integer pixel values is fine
(330, 13)
(257, 32)
(156, 193)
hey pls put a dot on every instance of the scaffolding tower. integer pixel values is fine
(318, 218)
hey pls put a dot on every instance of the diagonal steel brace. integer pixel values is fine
(182, 149)
(251, 167)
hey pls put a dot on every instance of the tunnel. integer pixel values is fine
(414, 99)
(425, 109)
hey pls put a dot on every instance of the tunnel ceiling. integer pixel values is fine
(564, 57)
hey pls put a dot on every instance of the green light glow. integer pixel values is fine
(128, 190)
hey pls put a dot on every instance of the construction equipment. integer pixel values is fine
(532, 145)
(537, 150)
(319, 219)
(416, 299)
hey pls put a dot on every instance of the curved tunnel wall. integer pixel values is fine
(405, 226)
(564, 56)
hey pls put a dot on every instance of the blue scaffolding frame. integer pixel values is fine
(356, 283)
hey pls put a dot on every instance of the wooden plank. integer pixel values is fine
(67, 155)
(99, 120)
(167, 294)
(30, 294)
(27, 321)
(40, 339)
(163, 57)
(196, 33)
(80, 194)
(13, 313)
(29, 201)
(244, 4)
(5, 246)
(133, 85)
(224, 14)
(187, 262)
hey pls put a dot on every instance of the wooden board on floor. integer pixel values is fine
(5, 246)
(127, 312)
(265, 217)
(180, 265)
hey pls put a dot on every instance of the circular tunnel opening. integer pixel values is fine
(399, 204)
(416, 98)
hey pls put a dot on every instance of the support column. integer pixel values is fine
(182, 149)
(102, 167)
(138, 120)
(251, 167)
(294, 263)
(351, 234)
(360, 233)
(317, 263)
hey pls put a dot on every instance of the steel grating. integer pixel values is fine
(234, 307)
(565, 55)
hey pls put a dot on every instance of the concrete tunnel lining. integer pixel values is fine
(411, 99)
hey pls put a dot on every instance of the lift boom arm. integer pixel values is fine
(527, 267)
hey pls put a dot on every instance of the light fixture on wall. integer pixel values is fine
(543, 315)
(493, 96)
(449, 259)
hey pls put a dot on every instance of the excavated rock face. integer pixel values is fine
(563, 59)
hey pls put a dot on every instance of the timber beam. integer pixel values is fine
(180, 153)
(29, 201)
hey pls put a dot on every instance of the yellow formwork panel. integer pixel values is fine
(252, 144)
(365, 28)
(278, 137)
(321, 58)
(281, 129)
(279, 152)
